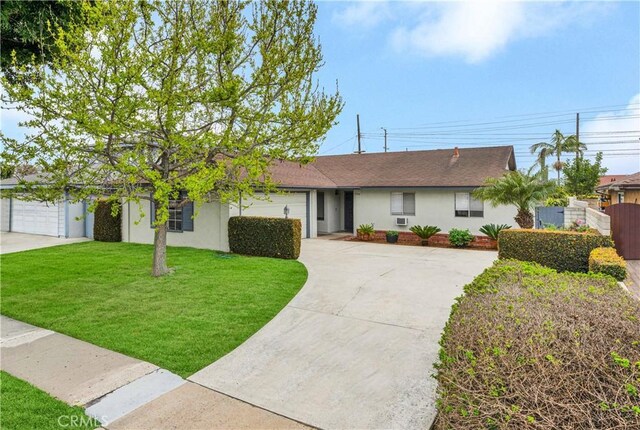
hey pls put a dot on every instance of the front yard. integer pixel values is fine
(26, 407)
(103, 293)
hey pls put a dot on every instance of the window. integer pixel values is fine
(620, 197)
(320, 199)
(175, 216)
(403, 204)
(180, 218)
(467, 206)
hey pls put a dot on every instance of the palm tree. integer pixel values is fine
(519, 189)
(559, 144)
(572, 144)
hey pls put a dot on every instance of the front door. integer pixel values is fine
(348, 211)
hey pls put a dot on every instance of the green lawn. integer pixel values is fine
(24, 406)
(103, 293)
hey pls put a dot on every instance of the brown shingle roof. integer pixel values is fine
(293, 175)
(627, 182)
(608, 179)
(434, 168)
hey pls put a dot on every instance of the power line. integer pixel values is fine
(524, 117)
(338, 145)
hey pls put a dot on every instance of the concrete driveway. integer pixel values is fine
(15, 242)
(355, 348)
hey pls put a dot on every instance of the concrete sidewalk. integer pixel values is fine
(120, 391)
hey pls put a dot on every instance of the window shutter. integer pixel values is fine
(462, 201)
(396, 204)
(152, 215)
(187, 217)
(409, 203)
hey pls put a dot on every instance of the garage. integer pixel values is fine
(274, 207)
(35, 217)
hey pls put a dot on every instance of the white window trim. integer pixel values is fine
(402, 212)
(468, 210)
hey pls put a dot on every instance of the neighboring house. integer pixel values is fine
(608, 179)
(393, 190)
(50, 219)
(625, 189)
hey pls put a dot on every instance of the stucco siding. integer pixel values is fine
(432, 207)
(5, 208)
(209, 227)
(632, 196)
(332, 212)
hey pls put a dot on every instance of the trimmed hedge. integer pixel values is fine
(265, 237)
(527, 347)
(560, 250)
(607, 261)
(106, 227)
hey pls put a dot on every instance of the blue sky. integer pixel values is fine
(439, 75)
(434, 74)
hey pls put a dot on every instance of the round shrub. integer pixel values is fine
(106, 226)
(459, 237)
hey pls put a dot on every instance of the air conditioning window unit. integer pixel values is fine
(402, 221)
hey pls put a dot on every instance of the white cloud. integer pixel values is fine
(471, 30)
(617, 135)
(362, 14)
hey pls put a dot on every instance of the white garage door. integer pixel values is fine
(34, 218)
(297, 203)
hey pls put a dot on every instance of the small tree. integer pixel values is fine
(519, 189)
(184, 100)
(582, 176)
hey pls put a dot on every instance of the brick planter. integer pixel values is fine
(440, 240)
(478, 242)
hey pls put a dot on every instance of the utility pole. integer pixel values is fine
(577, 134)
(385, 139)
(359, 151)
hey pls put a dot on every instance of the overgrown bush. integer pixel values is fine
(607, 261)
(492, 230)
(107, 227)
(266, 237)
(530, 348)
(459, 237)
(561, 250)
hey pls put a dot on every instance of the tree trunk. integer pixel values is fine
(524, 218)
(160, 249)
